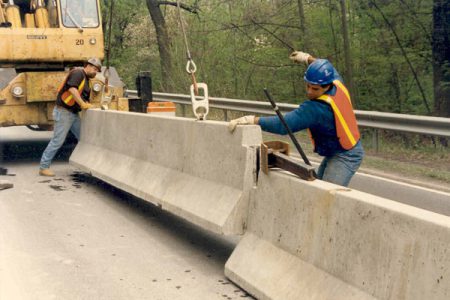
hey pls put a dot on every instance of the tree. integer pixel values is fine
(163, 42)
(162, 35)
(441, 57)
(390, 23)
(347, 54)
(304, 32)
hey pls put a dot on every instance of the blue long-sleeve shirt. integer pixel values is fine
(316, 115)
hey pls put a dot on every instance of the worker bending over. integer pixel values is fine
(328, 116)
(73, 96)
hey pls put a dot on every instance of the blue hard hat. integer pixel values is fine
(321, 72)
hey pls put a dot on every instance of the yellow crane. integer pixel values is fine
(40, 40)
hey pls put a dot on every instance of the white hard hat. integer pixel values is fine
(95, 62)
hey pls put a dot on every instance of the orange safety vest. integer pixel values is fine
(344, 117)
(67, 97)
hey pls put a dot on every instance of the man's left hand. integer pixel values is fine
(246, 120)
(86, 106)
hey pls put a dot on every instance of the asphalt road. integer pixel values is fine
(73, 237)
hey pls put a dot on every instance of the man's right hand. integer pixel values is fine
(86, 106)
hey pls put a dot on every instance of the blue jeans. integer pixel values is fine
(64, 121)
(340, 167)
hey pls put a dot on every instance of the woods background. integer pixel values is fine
(393, 55)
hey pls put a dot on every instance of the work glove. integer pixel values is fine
(246, 120)
(299, 57)
(86, 106)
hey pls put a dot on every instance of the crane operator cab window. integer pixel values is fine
(80, 13)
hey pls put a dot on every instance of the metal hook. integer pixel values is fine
(200, 106)
(191, 67)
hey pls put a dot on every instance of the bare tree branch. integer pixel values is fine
(274, 35)
(417, 21)
(192, 9)
(405, 55)
(265, 65)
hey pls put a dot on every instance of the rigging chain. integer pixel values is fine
(200, 106)
(191, 68)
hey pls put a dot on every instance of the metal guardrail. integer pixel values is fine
(433, 126)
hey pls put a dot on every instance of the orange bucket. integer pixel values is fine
(161, 108)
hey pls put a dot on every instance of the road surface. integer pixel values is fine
(74, 237)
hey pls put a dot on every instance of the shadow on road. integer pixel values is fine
(31, 150)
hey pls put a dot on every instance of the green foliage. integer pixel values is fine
(133, 42)
(242, 46)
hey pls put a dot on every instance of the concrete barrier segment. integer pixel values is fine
(316, 240)
(267, 272)
(194, 169)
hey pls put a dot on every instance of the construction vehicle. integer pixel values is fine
(40, 41)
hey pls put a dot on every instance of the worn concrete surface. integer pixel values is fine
(270, 273)
(385, 249)
(196, 170)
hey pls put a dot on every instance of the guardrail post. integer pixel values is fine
(183, 110)
(225, 115)
(375, 140)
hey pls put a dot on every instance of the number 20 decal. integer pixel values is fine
(79, 42)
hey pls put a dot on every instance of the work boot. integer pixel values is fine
(46, 172)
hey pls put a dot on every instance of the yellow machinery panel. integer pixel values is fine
(49, 45)
(43, 86)
(66, 31)
(26, 115)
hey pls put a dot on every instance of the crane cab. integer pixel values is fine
(40, 40)
(35, 34)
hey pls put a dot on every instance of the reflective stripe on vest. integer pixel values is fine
(67, 97)
(344, 116)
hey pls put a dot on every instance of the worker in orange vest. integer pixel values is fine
(73, 96)
(328, 116)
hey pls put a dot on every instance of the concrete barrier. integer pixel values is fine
(315, 240)
(196, 170)
(303, 240)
